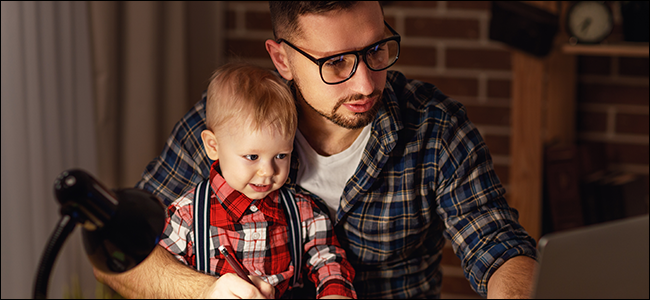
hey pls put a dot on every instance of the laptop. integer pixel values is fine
(606, 260)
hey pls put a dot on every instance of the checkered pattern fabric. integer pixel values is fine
(425, 175)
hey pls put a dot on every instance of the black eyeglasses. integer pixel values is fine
(340, 67)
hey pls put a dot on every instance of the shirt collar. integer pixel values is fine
(235, 204)
(385, 127)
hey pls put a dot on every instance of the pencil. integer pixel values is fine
(235, 264)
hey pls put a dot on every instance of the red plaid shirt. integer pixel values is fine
(256, 233)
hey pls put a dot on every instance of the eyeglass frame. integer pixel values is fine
(362, 53)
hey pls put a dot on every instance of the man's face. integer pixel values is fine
(353, 103)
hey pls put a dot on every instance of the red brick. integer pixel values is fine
(415, 55)
(619, 153)
(632, 123)
(391, 21)
(449, 258)
(597, 65)
(591, 121)
(257, 20)
(231, 19)
(454, 284)
(498, 144)
(630, 154)
(644, 191)
(470, 5)
(442, 28)
(617, 34)
(606, 93)
(453, 86)
(246, 49)
(499, 88)
(633, 66)
(478, 59)
(457, 285)
(503, 172)
(489, 115)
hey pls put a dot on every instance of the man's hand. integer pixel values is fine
(160, 275)
(514, 279)
(230, 286)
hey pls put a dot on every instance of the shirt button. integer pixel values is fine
(253, 208)
(256, 235)
(258, 272)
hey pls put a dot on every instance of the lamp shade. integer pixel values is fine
(121, 227)
(128, 238)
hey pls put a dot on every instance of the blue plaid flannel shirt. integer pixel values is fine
(425, 174)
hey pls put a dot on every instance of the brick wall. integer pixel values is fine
(446, 43)
(612, 112)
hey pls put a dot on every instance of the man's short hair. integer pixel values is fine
(284, 14)
(245, 92)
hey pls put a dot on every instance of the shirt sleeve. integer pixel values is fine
(326, 261)
(483, 229)
(177, 235)
(183, 163)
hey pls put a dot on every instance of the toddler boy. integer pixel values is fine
(251, 122)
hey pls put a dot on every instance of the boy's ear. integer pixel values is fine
(279, 58)
(210, 144)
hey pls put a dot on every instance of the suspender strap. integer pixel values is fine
(294, 232)
(202, 226)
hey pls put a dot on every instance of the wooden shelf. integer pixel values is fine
(622, 49)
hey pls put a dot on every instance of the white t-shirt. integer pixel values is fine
(326, 176)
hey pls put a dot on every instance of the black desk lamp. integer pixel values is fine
(120, 228)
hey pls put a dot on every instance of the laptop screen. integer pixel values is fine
(607, 260)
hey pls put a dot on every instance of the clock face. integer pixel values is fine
(589, 21)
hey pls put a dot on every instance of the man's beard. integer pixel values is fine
(359, 120)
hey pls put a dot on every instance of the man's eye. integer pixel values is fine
(375, 49)
(281, 156)
(251, 156)
(335, 62)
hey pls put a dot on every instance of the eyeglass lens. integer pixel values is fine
(378, 57)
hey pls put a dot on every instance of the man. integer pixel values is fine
(395, 161)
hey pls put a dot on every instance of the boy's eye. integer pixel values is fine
(251, 156)
(281, 156)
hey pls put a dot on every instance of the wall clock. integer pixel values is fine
(589, 22)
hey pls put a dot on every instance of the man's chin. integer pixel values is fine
(356, 120)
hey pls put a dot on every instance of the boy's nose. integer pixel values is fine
(266, 169)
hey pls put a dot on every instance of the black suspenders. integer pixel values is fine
(202, 229)
(202, 226)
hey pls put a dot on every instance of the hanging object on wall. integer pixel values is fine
(523, 26)
(635, 20)
(589, 22)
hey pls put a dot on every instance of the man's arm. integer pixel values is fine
(162, 276)
(514, 279)
(159, 276)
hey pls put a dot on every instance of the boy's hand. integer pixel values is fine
(230, 286)
(335, 297)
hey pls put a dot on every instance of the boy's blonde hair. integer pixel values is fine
(240, 91)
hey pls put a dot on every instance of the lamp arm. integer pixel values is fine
(63, 229)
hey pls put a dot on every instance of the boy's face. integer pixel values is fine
(254, 163)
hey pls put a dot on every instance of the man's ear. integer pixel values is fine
(210, 144)
(279, 58)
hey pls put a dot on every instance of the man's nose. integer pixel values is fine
(361, 81)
